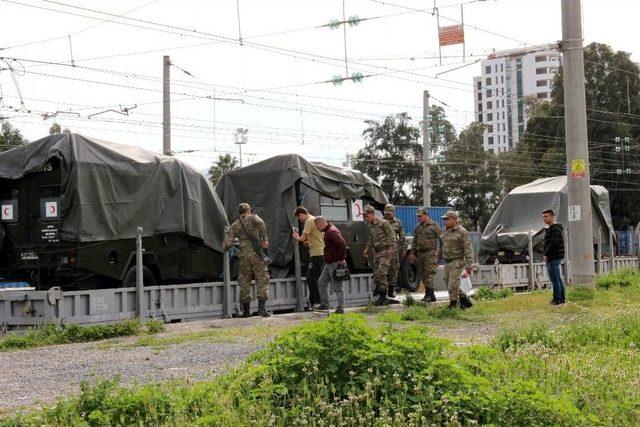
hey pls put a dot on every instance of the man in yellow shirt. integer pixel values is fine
(313, 238)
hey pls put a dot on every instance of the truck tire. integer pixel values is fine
(148, 277)
(410, 278)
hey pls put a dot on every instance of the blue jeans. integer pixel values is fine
(553, 267)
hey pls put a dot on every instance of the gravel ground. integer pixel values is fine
(41, 375)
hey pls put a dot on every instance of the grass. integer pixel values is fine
(52, 334)
(577, 364)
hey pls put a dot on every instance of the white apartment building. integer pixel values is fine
(507, 77)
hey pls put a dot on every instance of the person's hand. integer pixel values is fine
(468, 270)
(342, 264)
(544, 258)
(306, 243)
(366, 253)
(412, 257)
(264, 245)
(295, 234)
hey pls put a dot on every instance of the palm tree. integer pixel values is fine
(225, 163)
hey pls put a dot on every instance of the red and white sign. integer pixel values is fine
(51, 209)
(452, 34)
(7, 212)
(356, 210)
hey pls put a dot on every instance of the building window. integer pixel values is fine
(479, 85)
(501, 79)
(487, 81)
(543, 70)
(488, 93)
(479, 96)
(489, 105)
(503, 111)
(480, 106)
(503, 107)
(542, 83)
(501, 67)
(489, 117)
(490, 128)
(479, 118)
(496, 68)
(487, 69)
(541, 58)
(543, 95)
(490, 140)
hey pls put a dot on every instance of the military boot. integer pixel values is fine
(465, 302)
(382, 300)
(391, 292)
(262, 311)
(246, 309)
(432, 295)
(453, 303)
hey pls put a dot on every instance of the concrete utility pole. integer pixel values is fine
(166, 106)
(575, 120)
(426, 152)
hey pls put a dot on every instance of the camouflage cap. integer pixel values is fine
(243, 207)
(422, 211)
(450, 214)
(389, 208)
(369, 209)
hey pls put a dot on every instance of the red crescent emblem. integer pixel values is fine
(358, 210)
(6, 211)
(52, 209)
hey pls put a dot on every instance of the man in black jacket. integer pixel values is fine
(553, 254)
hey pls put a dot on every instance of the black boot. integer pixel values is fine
(427, 296)
(261, 310)
(432, 295)
(382, 299)
(453, 303)
(391, 292)
(465, 302)
(246, 309)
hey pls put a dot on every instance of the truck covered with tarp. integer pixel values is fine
(506, 236)
(71, 206)
(276, 186)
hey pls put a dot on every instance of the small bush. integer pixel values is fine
(155, 326)
(51, 334)
(620, 278)
(409, 300)
(485, 293)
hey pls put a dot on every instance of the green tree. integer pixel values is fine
(393, 154)
(55, 128)
(612, 88)
(225, 163)
(10, 137)
(470, 175)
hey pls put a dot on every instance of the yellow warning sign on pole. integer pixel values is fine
(578, 168)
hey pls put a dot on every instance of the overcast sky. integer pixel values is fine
(273, 83)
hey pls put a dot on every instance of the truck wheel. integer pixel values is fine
(129, 280)
(410, 276)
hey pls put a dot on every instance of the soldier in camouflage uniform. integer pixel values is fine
(424, 247)
(458, 255)
(382, 239)
(252, 266)
(401, 241)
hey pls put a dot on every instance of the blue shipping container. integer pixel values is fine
(407, 214)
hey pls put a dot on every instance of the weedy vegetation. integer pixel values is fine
(572, 365)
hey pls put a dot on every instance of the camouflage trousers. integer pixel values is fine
(452, 271)
(394, 269)
(252, 267)
(427, 268)
(383, 260)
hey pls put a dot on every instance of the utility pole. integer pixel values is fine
(241, 139)
(578, 178)
(166, 106)
(426, 152)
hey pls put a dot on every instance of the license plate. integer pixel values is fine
(29, 256)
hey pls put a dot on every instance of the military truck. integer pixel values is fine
(71, 206)
(276, 186)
